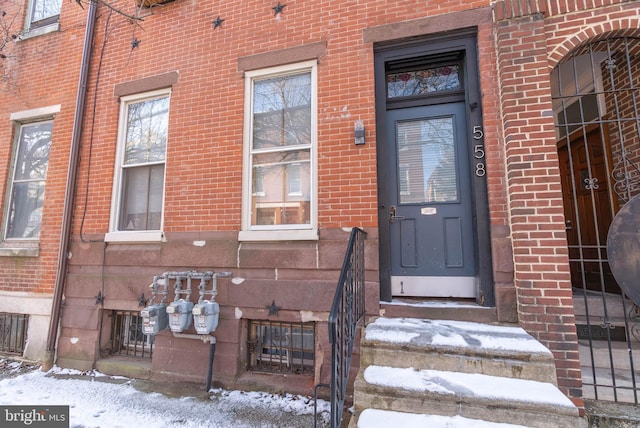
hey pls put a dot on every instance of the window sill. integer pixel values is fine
(8, 250)
(278, 235)
(141, 236)
(39, 31)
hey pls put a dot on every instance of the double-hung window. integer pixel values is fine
(42, 17)
(26, 197)
(280, 153)
(138, 193)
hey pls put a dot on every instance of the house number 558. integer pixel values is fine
(478, 151)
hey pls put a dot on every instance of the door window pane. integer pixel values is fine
(426, 161)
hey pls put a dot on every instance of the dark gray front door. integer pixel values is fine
(430, 202)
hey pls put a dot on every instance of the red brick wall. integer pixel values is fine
(532, 37)
(44, 72)
(204, 154)
(204, 165)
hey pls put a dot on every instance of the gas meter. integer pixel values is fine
(154, 319)
(179, 315)
(205, 316)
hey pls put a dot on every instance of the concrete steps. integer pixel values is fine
(441, 310)
(434, 373)
(387, 419)
(456, 346)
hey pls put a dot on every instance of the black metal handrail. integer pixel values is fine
(346, 312)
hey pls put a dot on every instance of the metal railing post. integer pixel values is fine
(346, 312)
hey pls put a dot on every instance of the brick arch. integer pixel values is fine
(624, 27)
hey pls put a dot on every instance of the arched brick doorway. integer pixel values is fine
(596, 100)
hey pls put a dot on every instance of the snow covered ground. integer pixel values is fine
(97, 400)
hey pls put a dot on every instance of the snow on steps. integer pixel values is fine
(471, 395)
(373, 418)
(456, 346)
(459, 370)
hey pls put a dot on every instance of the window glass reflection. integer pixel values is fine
(426, 161)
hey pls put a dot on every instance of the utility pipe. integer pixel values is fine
(204, 337)
(212, 353)
(69, 197)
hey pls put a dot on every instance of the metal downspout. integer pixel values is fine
(72, 170)
(212, 353)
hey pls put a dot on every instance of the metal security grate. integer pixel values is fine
(596, 102)
(127, 339)
(13, 333)
(281, 347)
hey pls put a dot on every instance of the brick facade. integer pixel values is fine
(36, 73)
(176, 46)
(532, 37)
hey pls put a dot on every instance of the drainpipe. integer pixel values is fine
(212, 353)
(72, 170)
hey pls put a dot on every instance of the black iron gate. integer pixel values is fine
(596, 98)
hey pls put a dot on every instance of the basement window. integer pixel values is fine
(281, 347)
(13, 333)
(127, 339)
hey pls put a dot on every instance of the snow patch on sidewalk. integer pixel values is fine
(96, 403)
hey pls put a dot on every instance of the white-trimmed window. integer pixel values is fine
(28, 180)
(42, 17)
(138, 193)
(280, 153)
(44, 12)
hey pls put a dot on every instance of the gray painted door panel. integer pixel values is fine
(431, 211)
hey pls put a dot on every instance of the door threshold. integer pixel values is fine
(433, 302)
(434, 286)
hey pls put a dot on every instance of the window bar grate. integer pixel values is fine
(597, 121)
(127, 339)
(13, 333)
(281, 347)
